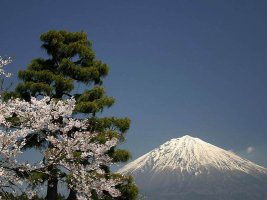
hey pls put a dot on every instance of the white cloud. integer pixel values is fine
(250, 149)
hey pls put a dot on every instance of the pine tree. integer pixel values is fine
(71, 62)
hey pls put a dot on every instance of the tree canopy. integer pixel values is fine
(72, 70)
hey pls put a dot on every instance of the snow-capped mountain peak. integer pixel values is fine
(189, 168)
(190, 155)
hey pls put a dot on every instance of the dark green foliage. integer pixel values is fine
(93, 101)
(9, 95)
(121, 125)
(128, 189)
(35, 177)
(121, 155)
(71, 61)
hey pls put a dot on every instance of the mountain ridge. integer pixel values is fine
(190, 154)
(187, 165)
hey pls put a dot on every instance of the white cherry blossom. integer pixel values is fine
(69, 149)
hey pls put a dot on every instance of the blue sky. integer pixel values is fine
(176, 67)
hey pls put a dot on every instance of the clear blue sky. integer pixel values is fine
(176, 67)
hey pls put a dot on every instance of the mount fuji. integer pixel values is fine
(188, 168)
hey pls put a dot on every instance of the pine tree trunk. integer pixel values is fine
(52, 189)
(72, 195)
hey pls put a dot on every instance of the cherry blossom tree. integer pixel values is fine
(73, 148)
(3, 62)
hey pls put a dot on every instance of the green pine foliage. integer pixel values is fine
(71, 61)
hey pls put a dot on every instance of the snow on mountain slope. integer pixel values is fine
(187, 165)
(191, 155)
